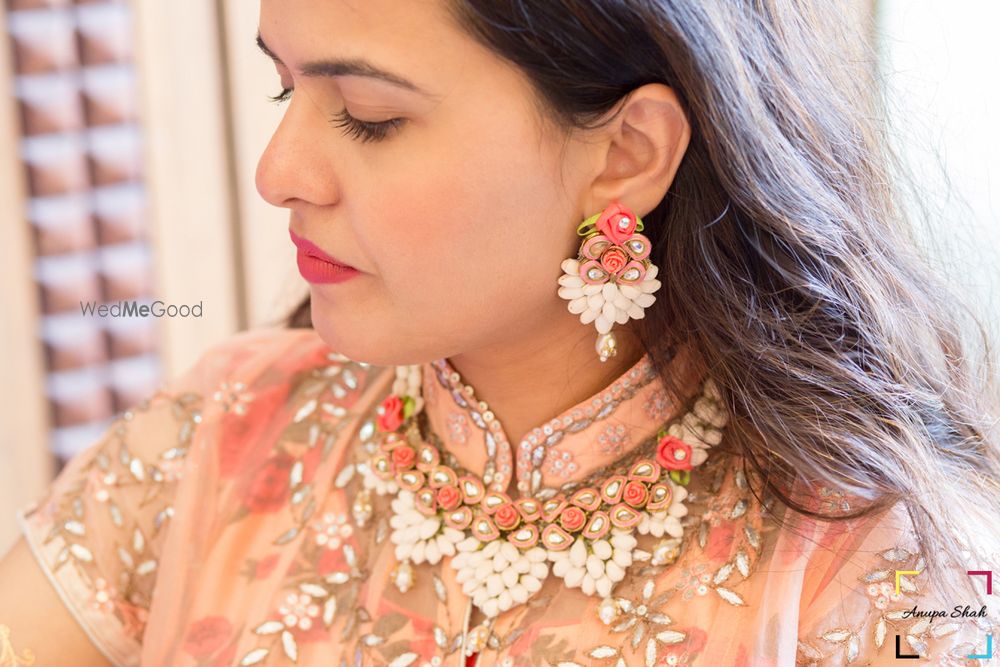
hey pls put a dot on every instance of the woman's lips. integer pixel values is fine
(316, 266)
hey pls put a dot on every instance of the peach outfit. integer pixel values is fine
(216, 525)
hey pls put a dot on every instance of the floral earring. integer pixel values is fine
(612, 279)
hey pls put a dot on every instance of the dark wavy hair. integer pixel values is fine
(787, 256)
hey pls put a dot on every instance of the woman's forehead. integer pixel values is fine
(415, 34)
(416, 41)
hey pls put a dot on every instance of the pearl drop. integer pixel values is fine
(606, 346)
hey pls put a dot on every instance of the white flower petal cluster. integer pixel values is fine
(702, 427)
(666, 520)
(499, 575)
(418, 537)
(595, 566)
(606, 304)
(375, 483)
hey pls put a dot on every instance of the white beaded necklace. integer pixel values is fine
(502, 548)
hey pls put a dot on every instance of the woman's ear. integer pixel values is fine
(640, 150)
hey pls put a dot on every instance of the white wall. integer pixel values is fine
(940, 63)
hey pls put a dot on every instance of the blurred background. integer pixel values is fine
(129, 135)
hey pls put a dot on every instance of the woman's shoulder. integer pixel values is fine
(868, 592)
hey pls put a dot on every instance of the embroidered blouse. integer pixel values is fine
(227, 521)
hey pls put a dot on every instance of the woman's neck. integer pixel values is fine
(530, 381)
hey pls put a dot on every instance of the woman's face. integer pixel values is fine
(457, 219)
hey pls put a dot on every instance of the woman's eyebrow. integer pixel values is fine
(345, 67)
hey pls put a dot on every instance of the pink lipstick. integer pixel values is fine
(317, 266)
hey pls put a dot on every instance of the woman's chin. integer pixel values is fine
(354, 340)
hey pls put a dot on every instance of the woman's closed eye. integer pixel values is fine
(363, 130)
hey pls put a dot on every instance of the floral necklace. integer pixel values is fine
(502, 547)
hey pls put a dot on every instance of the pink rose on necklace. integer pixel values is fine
(403, 457)
(507, 516)
(572, 518)
(613, 259)
(392, 413)
(673, 453)
(449, 497)
(635, 494)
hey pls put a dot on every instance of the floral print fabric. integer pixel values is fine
(226, 521)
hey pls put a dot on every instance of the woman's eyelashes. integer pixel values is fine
(360, 129)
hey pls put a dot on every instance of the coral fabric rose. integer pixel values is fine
(610, 219)
(392, 413)
(673, 453)
(572, 518)
(507, 517)
(635, 494)
(614, 260)
(207, 635)
(242, 433)
(269, 486)
(720, 542)
(403, 457)
(449, 497)
(263, 567)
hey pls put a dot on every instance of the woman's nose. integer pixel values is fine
(296, 165)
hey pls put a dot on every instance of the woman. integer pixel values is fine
(616, 353)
